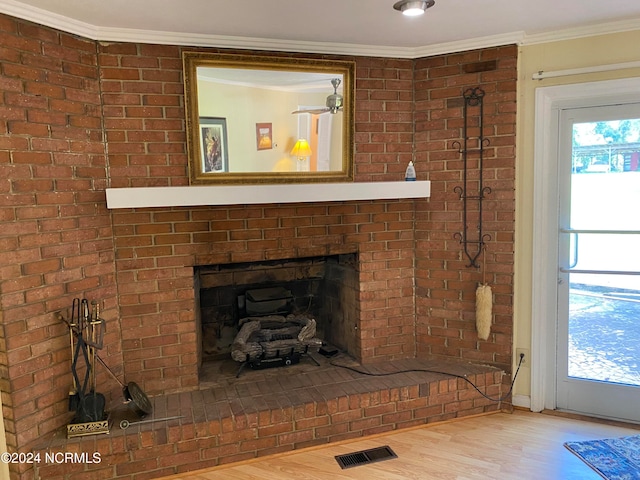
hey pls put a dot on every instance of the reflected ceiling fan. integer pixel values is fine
(333, 104)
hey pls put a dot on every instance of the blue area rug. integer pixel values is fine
(613, 458)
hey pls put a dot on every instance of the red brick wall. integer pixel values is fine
(58, 241)
(445, 286)
(56, 238)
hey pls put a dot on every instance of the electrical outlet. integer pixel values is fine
(525, 360)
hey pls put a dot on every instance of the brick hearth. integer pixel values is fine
(274, 411)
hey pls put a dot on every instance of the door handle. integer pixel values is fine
(574, 261)
(573, 256)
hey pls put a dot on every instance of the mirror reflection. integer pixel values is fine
(268, 119)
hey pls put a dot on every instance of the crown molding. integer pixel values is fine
(248, 43)
(470, 44)
(583, 32)
(109, 34)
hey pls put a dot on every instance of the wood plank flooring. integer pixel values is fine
(504, 446)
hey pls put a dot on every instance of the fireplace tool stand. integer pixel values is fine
(86, 334)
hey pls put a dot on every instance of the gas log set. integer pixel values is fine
(273, 336)
(86, 333)
(274, 341)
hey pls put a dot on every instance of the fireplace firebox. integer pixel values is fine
(322, 288)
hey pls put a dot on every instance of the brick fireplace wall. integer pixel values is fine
(77, 116)
(445, 285)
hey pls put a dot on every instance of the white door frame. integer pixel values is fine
(548, 103)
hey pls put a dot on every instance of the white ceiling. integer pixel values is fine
(369, 27)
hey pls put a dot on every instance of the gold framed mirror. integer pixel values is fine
(268, 119)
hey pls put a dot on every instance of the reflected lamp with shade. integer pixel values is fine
(302, 151)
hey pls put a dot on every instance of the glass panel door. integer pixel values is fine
(598, 368)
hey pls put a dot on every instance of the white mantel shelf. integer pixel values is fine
(144, 197)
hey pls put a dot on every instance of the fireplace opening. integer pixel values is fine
(323, 288)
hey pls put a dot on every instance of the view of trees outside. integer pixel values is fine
(606, 146)
(618, 131)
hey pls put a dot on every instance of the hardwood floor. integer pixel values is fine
(518, 446)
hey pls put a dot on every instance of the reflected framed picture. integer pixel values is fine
(264, 136)
(213, 135)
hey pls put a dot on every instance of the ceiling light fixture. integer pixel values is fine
(413, 8)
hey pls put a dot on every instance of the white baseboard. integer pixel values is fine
(522, 401)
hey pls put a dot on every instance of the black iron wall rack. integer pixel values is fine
(472, 193)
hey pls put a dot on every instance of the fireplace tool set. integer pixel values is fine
(86, 333)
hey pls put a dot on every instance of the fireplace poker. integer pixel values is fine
(72, 323)
(124, 424)
(96, 327)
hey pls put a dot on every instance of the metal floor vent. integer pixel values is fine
(364, 457)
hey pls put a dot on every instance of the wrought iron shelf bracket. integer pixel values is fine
(473, 240)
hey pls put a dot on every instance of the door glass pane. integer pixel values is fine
(604, 308)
